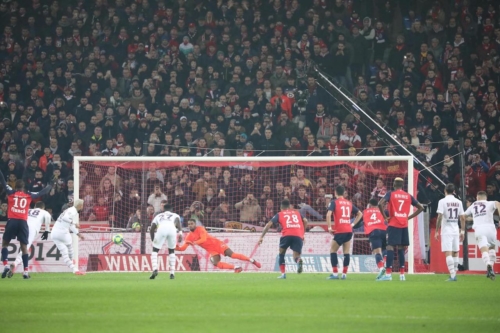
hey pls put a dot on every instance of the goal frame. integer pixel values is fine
(292, 160)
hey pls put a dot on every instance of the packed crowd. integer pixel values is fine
(233, 78)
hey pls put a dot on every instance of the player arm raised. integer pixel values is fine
(35, 195)
(8, 189)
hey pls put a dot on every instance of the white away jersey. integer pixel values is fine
(67, 220)
(165, 220)
(482, 213)
(37, 217)
(451, 208)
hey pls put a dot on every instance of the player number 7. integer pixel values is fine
(401, 203)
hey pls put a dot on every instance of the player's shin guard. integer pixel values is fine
(154, 260)
(389, 262)
(379, 260)
(493, 257)
(240, 256)
(401, 257)
(451, 266)
(335, 262)
(486, 258)
(282, 263)
(347, 260)
(25, 261)
(172, 261)
(5, 254)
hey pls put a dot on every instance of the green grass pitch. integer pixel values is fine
(225, 302)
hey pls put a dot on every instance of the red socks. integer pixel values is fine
(402, 270)
(240, 257)
(224, 265)
(380, 264)
(282, 269)
(388, 270)
(335, 270)
(344, 269)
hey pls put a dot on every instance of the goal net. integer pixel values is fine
(233, 198)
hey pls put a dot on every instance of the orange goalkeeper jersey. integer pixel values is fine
(201, 238)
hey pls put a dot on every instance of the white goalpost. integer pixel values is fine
(141, 165)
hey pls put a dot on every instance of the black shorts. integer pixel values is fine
(293, 242)
(398, 236)
(16, 229)
(377, 238)
(342, 238)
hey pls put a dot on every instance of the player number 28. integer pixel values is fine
(294, 220)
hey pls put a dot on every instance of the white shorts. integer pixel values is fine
(486, 237)
(165, 234)
(60, 237)
(31, 236)
(450, 243)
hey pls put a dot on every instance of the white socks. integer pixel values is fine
(172, 261)
(493, 257)
(486, 258)
(451, 266)
(154, 260)
(19, 260)
(455, 261)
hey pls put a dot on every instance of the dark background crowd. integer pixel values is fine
(235, 78)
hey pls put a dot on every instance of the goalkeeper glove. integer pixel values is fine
(45, 235)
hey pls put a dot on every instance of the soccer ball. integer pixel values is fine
(118, 239)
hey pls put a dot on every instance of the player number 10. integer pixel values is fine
(20, 203)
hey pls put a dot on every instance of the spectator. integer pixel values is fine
(303, 201)
(119, 83)
(156, 198)
(221, 214)
(249, 208)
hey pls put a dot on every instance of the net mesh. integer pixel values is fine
(234, 200)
